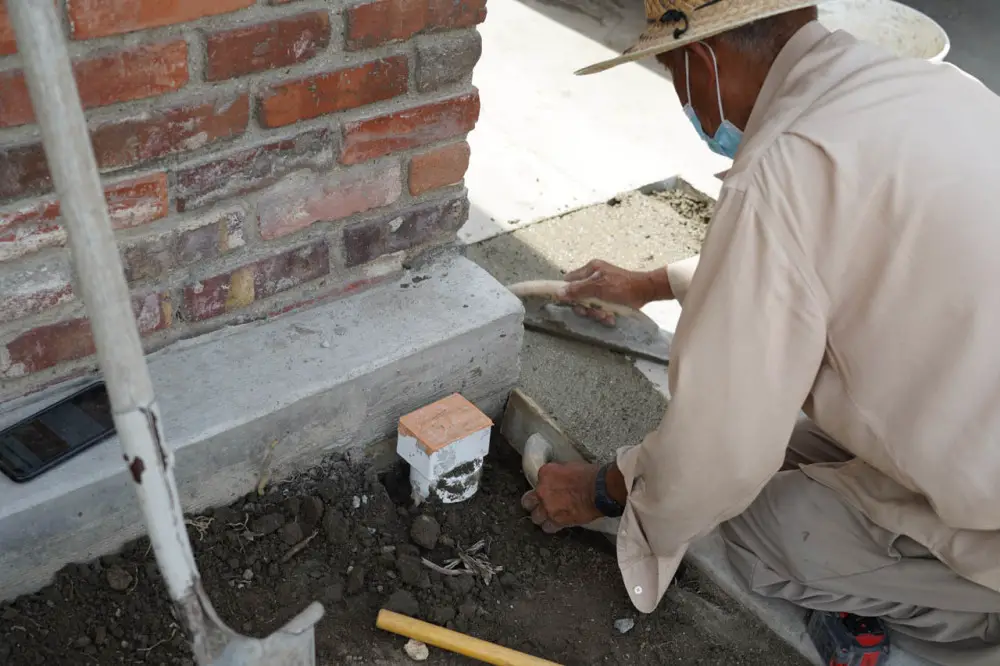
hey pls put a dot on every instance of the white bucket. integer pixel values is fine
(900, 29)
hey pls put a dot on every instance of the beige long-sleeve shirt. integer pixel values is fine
(853, 267)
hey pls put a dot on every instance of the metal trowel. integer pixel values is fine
(634, 333)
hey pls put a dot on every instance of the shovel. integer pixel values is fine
(149, 461)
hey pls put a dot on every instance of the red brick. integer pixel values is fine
(49, 345)
(31, 288)
(8, 43)
(304, 199)
(138, 73)
(438, 168)
(240, 172)
(23, 170)
(245, 285)
(412, 128)
(165, 132)
(334, 91)
(100, 18)
(155, 255)
(130, 202)
(384, 21)
(280, 43)
(369, 240)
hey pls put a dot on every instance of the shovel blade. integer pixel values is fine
(292, 645)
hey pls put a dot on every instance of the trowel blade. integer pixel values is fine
(636, 335)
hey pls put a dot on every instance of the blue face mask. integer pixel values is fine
(728, 137)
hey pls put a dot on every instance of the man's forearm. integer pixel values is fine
(654, 286)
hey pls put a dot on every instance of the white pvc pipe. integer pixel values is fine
(101, 282)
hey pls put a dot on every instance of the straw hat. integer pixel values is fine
(676, 23)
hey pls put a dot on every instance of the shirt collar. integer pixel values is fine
(797, 47)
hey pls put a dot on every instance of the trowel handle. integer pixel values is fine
(537, 452)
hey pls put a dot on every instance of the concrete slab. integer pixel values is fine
(548, 141)
(335, 377)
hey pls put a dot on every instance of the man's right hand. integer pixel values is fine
(607, 282)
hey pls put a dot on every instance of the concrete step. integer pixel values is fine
(329, 379)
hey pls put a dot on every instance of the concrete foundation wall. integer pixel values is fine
(257, 155)
(332, 378)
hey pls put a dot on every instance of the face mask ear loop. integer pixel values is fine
(718, 85)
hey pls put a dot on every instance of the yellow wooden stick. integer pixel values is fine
(453, 641)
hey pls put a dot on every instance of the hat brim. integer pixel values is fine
(717, 19)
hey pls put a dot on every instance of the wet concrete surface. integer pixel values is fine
(597, 396)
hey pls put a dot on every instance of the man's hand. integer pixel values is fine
(565, 496)
(599, 279)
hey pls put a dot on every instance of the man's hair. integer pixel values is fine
(764, 39)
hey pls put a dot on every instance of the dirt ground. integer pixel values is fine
(554, 597)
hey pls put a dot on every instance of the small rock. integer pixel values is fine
(336, 527)
(291, 534)
(312, 511)
(233, 563)
(292, 506)
(416, 650)
(508, 579)
(460, 584)
(333, 592)
(446, 541)
(82, 642)
(624, 625)
(412, 572)
(544, 553)
(356, 580)
(248, 575)
(268, 524)
(425, 531)
(118, 579)
(356, 502)
(404, 603)
(442, 615)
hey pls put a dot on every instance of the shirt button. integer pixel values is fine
(637, 589)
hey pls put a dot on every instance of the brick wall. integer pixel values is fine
(257, 156)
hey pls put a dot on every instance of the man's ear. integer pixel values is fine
(704, 75)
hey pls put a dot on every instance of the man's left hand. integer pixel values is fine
(565, 496)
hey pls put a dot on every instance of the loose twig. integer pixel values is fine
(265, 469)
(299, 547)
(473, 562)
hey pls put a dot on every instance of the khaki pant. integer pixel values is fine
(799, 541)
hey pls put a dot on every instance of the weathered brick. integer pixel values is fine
(240, 172)
(49, 345)
(30, 288)
(411, 128)
(350, 88)
(384, 21)
(280, 43)
(245, 285)
(154, 256)
(131, 203)
(438, 168)
(447, 59)
(138, 73)
(369, 240)
(23, 170)
(306, 198)
(8, 43)
(154, 135)
(100, 18)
